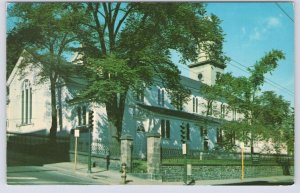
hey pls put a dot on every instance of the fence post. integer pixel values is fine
(126, 153)
(153, 153)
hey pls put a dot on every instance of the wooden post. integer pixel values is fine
(76, 135)
(242, 152)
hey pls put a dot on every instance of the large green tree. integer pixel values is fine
(264, 113)
(47, 34)
(276, 116)
(128, 45)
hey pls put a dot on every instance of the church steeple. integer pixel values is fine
(205, 69)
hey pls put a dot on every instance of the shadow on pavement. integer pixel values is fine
(258, 183)
(17, 158)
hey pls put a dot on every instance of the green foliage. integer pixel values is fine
(123, 45)
(128, 46)
(265, 114)
(266, 65)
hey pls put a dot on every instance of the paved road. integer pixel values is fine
(30, 170)
(21, 175)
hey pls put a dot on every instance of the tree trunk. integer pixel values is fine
(53, 129)
(115, 112)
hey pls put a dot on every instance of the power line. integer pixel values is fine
(267, 79)
(284, 12)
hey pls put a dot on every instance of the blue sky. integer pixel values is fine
(252, 29)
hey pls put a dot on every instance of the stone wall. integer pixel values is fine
(199, 172)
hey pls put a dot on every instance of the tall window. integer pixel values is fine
(178, 102)
(219, 136)
(26, 102)
(161, 97)
(84, 115)
(234, 114)
(195, 105)
(81, 115)
(203, 132)
(139, 95)
(222, 110)
(165, 128)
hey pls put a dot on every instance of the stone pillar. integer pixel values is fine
(126, 150)
(153, 153)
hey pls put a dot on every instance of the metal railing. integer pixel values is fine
(174, 155)
(98, 148)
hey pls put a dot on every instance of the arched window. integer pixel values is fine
(26, 102)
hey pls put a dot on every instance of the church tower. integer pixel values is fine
(205, 69)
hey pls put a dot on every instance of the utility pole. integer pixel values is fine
(242, 158)
(90, 129)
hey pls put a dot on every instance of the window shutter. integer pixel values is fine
(168, 128)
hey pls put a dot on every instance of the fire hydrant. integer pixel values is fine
(123, 176)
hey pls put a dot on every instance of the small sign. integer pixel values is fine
(184, 149)
(76, 132)
(189, 169)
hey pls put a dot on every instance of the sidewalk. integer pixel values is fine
(113, 177)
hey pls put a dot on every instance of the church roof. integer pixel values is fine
(212, 62)
(191, 83)
(180, 114)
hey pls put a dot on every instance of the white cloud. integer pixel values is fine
(256, 34)
(273, 22)
(264, 28)
(243, 31)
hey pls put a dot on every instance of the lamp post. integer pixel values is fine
(242, 157)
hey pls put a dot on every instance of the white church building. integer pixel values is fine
(29, 110)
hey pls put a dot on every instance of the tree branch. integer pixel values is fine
(98, 27)
(116, 11)
(63, 44)
(122, 20)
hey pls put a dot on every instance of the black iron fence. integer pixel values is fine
(98, 148)
(175, 156)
